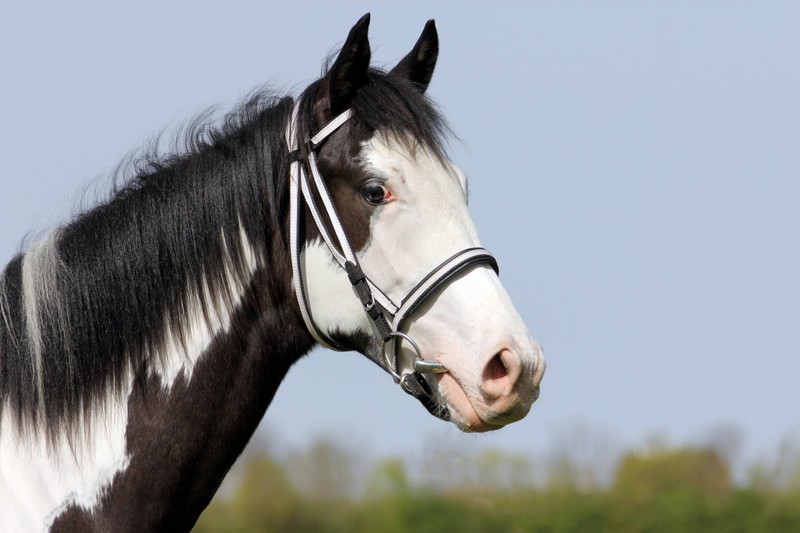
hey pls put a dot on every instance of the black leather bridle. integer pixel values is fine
(387, 317)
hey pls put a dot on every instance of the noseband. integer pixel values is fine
(386, 316)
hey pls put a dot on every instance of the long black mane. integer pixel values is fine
(105, 285)
(95, 300)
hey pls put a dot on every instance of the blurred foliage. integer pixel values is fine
(660, 488)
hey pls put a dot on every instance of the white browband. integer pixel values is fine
(387, 316)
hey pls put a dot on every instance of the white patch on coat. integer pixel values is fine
(182, 348)
(39, 480)
(334, 305)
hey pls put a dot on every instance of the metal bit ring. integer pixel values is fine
(422, 366)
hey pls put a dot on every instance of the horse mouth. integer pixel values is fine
(462, 410)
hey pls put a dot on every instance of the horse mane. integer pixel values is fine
(100, 296)
(392, 107)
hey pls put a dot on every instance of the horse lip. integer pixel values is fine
(488, 419)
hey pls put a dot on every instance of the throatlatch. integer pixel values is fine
(386, 316)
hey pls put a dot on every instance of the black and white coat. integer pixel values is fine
(142, 341)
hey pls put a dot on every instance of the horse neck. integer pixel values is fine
(182, 441)
(187, 323)
(157, 270)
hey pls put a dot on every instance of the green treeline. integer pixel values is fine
(658, 489)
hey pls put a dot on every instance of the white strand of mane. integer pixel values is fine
(41, 270)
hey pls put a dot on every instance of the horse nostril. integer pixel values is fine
(496, 369)
(499, 375)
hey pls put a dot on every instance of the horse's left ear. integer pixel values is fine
(418, 65)
(347, 74)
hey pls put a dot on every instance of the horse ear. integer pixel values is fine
(347, 74)
(418, 65)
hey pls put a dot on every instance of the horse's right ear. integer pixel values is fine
(418, 65)
(346, 76)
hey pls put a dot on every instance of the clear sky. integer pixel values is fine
(634, 166)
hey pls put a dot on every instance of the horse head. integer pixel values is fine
(428, 305)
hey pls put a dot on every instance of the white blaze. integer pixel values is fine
(464, 325)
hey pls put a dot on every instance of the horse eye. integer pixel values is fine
(375, 193)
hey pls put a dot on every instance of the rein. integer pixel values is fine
(386, 316)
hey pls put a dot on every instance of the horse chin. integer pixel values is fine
(462, 411)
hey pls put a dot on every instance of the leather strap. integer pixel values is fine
(375, 302)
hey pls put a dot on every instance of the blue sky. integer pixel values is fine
(635, 167)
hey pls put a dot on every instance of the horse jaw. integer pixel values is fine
(470, 325)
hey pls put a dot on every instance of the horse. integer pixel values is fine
(142, 341)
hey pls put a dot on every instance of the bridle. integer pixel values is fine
(386, 316)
